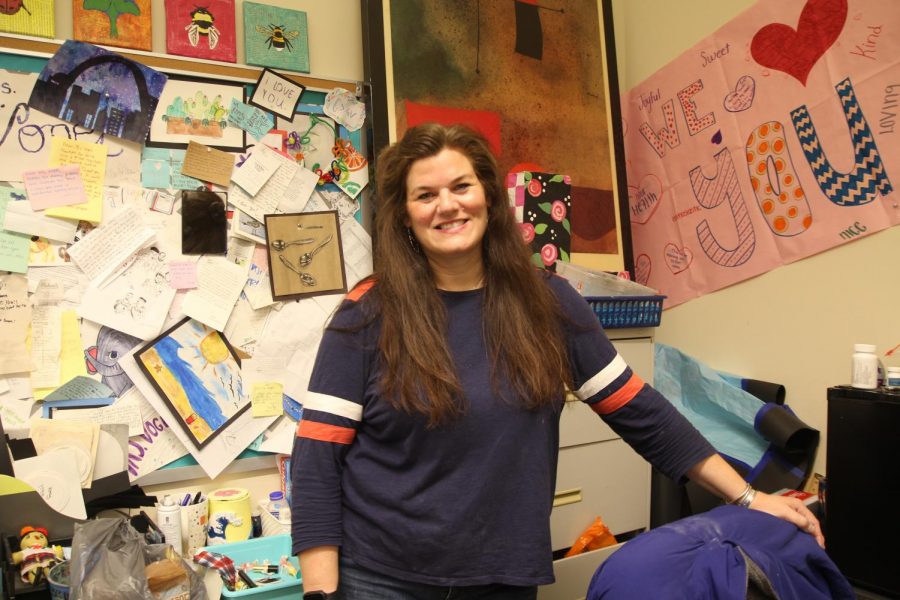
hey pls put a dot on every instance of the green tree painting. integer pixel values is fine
(112, 9)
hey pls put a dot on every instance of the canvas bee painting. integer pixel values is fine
(276, 37)
(201, 29)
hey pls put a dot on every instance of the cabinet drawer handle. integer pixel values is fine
(567, 497)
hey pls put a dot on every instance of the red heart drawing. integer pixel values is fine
(645, 199)
(677, 258)
(642, 269)
(795, 51)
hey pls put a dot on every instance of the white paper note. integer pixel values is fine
(266, 199)
(21, 219)
(257, 169)
(15, 318)
(105, 249)
(124, 411)
(46, 343)
(297, 194)
(219, 283)
(54, 477)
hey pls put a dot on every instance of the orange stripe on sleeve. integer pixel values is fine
(619, 399)
(360, 290)
(325, 433)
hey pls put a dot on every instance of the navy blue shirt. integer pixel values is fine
(467, 503)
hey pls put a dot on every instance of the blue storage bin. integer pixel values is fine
(270, 548)
(616, 312)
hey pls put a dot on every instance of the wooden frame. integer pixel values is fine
(570, 126)
(193, 401)
(305, 255)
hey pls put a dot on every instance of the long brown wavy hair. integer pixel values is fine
(522, 319)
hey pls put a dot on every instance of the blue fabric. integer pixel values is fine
(698, 558)
(713, 403)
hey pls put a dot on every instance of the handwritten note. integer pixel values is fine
(60, 186)
(265, 399)
(91, 159)
(13, 246)
(183, 275)
(298, 191)
(126, 411)
(272, 192)
(277, 94)
(253, 120)
(15, 318)
(218, 287)
(207, 164)
(71, 354)
(342, 106)
(102, 251)
(257, 169)
(46, 343)
(80, 388)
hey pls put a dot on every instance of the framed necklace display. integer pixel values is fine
(305, 254)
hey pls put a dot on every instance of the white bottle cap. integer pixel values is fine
(167, 500)
(864, 347)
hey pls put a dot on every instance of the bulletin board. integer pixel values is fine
(18, 53)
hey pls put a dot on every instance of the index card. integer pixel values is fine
(207, 164)
(183, 275)
(265, 399)
(91, 159)
(13, 246)
(60, 186)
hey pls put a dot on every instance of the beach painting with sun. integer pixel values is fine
(198, 375)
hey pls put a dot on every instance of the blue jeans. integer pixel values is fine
(358, 583)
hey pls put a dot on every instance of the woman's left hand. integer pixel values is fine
(791, 510)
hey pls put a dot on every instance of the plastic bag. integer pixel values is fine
(107, 562)
(596, 536)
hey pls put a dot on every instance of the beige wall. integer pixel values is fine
(797, 324)
(335, 40)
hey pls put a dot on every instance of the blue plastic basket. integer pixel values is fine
(270, 549)
(617, 312)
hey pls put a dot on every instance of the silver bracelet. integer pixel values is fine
(746, 497)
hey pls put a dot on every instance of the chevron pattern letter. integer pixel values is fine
(868, 176)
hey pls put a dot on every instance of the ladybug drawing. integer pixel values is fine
(11, 7)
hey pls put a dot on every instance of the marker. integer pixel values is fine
(246, 578)
(186, 500)
(197, 498)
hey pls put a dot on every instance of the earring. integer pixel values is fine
(413, 242)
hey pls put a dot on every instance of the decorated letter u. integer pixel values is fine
(867, 178)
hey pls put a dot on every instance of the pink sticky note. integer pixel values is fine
(59, 186)
(183, 275)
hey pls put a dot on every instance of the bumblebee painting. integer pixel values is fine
(201, 26)
(277, 37)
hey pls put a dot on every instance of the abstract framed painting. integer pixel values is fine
(540, 84)
(275, 37)
(196, 109)
(197, 374)
(122, 23)
(201, 29)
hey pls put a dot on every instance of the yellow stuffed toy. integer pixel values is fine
(36, 555)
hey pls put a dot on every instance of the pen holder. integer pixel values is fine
(194, 521)
(229, 516)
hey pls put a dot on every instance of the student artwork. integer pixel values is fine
(123, 23)
(27, 17)
(310, 138)
(198, 376)
(196, 109)
(756, 147)
(103, 358)
(275, 37)
(543, 205)
(305, 255)
(276, 94)
(98, 89)
(203, 29)
(348, 169)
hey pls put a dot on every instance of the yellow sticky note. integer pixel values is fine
(71, 354)
(265, 399)
(92, 160)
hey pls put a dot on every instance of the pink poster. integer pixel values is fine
(201, 30)
(770, 141)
